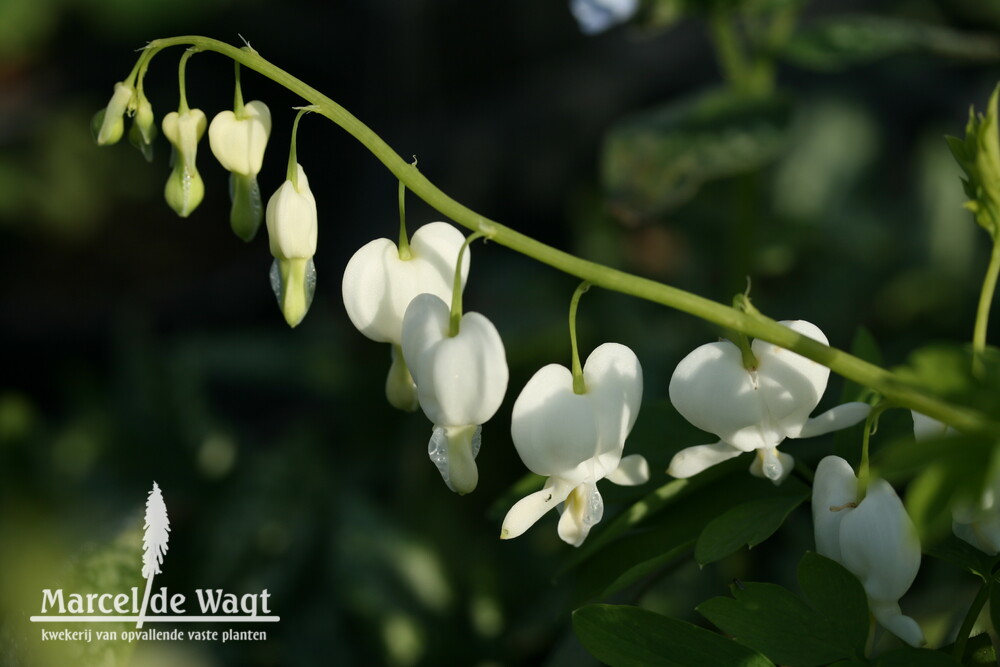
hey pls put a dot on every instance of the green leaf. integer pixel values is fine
(658, 159)
(916, 657)
(831, 626)
(750, 523)
(845, 41)
(836, 593)
(667, 537)
(623, 636)
(963, 554)
(772, 620)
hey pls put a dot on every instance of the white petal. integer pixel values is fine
(834, 419)
(692, 460)
(712, 390)
(238, 144)
(596, 16)
(531, 508)
(184, 130)
(879, 543)
(378, 286)
(631, 471)
(925, 428)
(790, 385)
(772, 464)
(834, 487)
(893, 620)
(584, 508)
(613, 377)
(461, 380)
(553, 429)
(369, 297)
(292, 219)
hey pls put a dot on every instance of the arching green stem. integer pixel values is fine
(455, 322)
(741, 302)
(851, 367)
(579, 386)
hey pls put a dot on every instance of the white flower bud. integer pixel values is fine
(239, 143)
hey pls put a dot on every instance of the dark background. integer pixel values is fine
(138, 346)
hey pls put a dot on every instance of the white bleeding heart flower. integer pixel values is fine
(379, 285)
(875, 539)
(754, 409)
(238, 143)
(576, 440)
(461, 381)
(185, 189)
(292, 227)
(974, 521)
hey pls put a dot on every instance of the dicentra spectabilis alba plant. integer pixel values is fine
(576, 438)
(238, 138)
(754, 409)
(460, 368)
(873, 537)
(382, 279)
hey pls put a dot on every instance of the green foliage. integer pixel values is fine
(915, 657)
(623, 636)
(673, 533)
(830, 625)
(961, 553)
(979, 156)
(749, 523)
(845, 41)
(947, 371)
(658, 159)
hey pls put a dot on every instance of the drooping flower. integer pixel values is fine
(143, 130)
(594, 16)
(379, 284)
(109, 123)
(185, 189)
(576, 440)
(976, 521)
(875, 539)
(292, 227)
(754, 409)
(238, 141)
(461, 381)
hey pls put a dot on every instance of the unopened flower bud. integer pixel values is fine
(109, 123)
(292, 228)
(143, 131)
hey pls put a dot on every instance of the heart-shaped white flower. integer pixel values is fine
(239, 143)
(576, 439)
(753, 409)
(185, 189)
(379, 285)
(461, 381)
(875, 539)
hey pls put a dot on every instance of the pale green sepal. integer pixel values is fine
(184, 189)
(294, 284)
(400, 389)
(247, 211)
(453, 449)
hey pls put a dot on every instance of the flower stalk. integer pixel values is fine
(847, 365)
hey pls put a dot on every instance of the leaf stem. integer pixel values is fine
(757, 326)
(404, 242)
(181, 70)
(970, 620)
(983, 311)
(579, 386)
(455, 321)
(238, 110)
(292, 173)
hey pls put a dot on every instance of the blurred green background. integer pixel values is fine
(138, 346)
